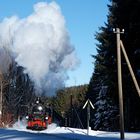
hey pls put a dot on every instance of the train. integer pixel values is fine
(39, 116)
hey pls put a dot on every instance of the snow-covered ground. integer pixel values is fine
(61, 133)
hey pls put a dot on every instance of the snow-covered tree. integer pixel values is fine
(122, 14)
(106, 115)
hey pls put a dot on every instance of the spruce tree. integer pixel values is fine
(122, 14)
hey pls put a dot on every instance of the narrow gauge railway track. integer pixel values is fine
(59, 136)
(55, 136)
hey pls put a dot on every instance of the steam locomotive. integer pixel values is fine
(39, 116)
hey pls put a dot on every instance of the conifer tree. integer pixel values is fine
(122, 14)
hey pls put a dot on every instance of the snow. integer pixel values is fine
(55, 132)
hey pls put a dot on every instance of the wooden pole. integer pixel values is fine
(88, 117)
(71, 120)
(1, 101)
(130, 68)
(88, 104)
(120, 83)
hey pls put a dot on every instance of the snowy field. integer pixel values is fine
(61, 133)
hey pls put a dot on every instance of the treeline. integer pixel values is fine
(69, 102)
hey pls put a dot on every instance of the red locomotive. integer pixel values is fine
(39, 117)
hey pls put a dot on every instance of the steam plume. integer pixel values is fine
(40, 43)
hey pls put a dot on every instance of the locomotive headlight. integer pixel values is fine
(40, 108)
(46, 118)
(37, 102)
(27, 117)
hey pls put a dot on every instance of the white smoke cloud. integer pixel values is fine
(41, 44)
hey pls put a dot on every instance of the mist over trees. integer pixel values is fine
(103, 84)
